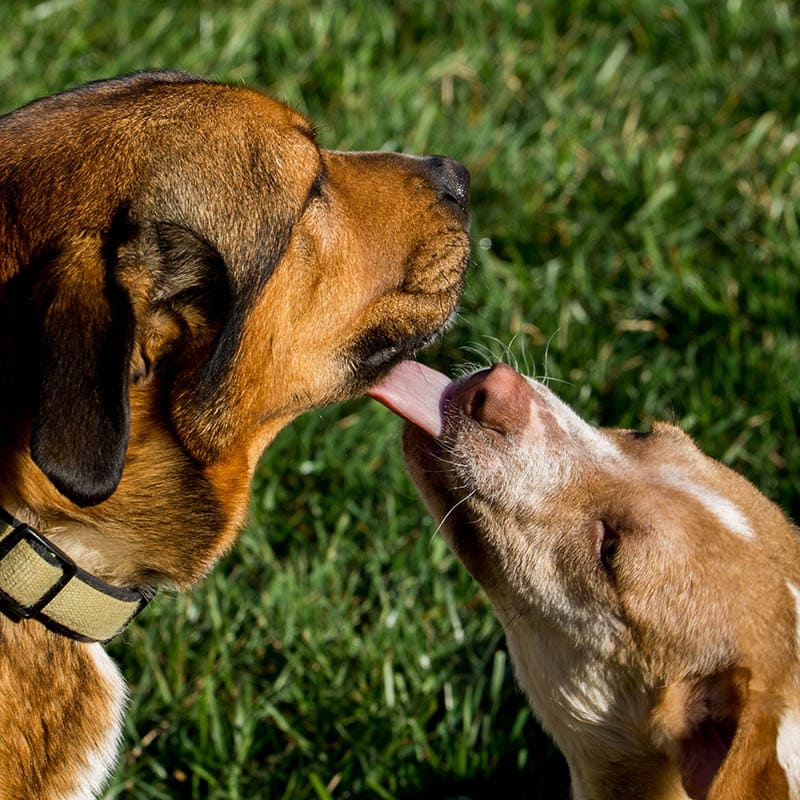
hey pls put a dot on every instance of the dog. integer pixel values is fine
(650, 596)
(183, 270)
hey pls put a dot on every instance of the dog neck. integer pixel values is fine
(40, 581)
(600, 727)
(620, 742)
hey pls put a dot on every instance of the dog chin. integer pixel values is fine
(424, 459)
(426, 462)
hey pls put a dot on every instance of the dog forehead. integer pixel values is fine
(247, 163)
(666, 468)
(155, 100)
(216, 121)
(168, 146)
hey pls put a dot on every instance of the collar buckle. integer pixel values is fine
(52, 555)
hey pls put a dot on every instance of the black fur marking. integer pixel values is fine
(191, 273)
(317, 188)
(376, 351)
(211, 379)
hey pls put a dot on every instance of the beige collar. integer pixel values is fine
(39, 581)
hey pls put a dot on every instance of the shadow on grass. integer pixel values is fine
(546, 779)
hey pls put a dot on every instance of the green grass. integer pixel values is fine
(636, 191)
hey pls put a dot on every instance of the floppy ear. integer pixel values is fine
(751, 768)
(81, 420)
(722, 737)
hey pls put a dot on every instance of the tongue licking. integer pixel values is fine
(415, 392)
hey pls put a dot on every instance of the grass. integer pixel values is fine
(636, 190)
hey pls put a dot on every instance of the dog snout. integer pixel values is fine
(498, 398)
(451, 178)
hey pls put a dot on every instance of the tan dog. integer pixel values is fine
(182, 272)
(650, 596)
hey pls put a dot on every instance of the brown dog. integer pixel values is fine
(650, 596)
(182, 272)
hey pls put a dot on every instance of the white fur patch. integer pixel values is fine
(795, 592)
(788, 747)
(100, 760)
(788, 744)
(590, 699)
(727, 512)
(599, 447)
(545, 664)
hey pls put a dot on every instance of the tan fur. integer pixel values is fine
(669, 671)
(54, 719)
(183, 270)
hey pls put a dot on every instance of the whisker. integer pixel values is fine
(438, 456)
(546, 377)
(512, 622)
(524, 355)
(452, 509)
(510, 356)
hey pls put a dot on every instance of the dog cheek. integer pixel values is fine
(677, 618)
(514, 560)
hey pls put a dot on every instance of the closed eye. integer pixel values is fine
(318, 186)
(608, 549)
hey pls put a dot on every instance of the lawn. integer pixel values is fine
(636, 193)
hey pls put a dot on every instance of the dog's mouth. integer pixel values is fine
(429, 402)
(462, 436)
(380, 351)
(419, 395)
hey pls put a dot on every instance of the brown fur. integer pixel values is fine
(183, 270)
(56, 707)
(649, 594)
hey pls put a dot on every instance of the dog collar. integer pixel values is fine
(39, 581)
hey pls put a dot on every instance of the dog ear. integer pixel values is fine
(81, 420)
(185, 331)
(751, 768)
(722, 736)
(178, 288)
(116, 307)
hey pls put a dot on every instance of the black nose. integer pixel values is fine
(451, 179)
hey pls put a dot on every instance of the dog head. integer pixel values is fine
(183, 271)
(648, 593)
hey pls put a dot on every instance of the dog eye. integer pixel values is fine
(609, 546)
(318, 186)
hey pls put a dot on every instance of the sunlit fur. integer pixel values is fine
(183, 271)
(671, 672)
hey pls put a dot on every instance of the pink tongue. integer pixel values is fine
(414, 391)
